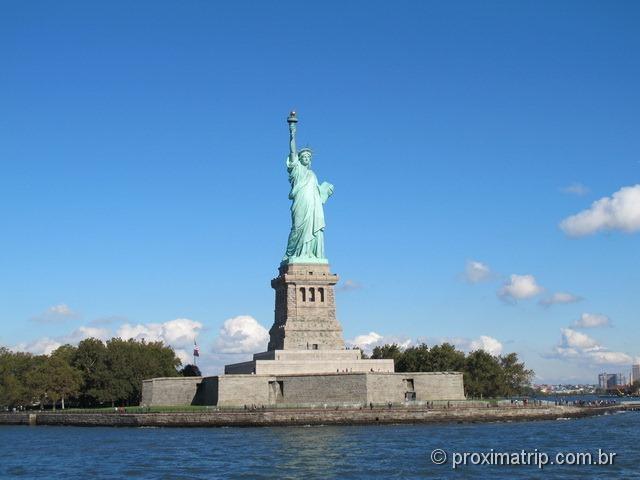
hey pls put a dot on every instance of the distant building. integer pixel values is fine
(611, 380)
(603, 380)
(635, 373)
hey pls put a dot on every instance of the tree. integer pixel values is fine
(36, 381)
(15, 390)
(387, 351)
(90, 359)
(483, 376)
(66, 379)
(93, 373)
(54, 379)
(445, 358)
(130, 362)
(65, 352)
(414, 359)
(516, 377)
(13, 367)
(190, 371)
(122, 361)
(8, 382)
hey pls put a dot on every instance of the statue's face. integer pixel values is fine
(305, 158)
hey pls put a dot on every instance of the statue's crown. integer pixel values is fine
(305, 149)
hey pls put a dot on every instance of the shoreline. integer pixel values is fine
(297, 417)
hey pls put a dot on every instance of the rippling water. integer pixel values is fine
(397, 451)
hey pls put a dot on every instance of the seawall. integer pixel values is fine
(283, 417)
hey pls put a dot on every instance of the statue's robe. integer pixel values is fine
(306, 239)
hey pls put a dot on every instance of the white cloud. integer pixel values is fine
(41, 346)
(476, 271)
(621, 211)
(574, 339)
(520, 287)
(184, 356)
(575, 188)
(486, 343)
(110, 320)
(177, 333)
(349, 286)
(241, 334)
(56, 313)
(581, 348)
(611, 358)
(559, 298)
(592, 320)
(61, 309)
(366, 340)
(181, 331)
(46, 345)
(84, 332)
(151, 332)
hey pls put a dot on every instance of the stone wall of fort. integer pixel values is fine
(341, 416)
(335, 388)
(169, 390)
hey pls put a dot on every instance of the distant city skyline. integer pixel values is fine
(144, 190)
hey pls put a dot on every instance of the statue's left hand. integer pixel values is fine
(326, 190)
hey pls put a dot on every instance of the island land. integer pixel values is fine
(446, 412)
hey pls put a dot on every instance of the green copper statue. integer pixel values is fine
(306, 240)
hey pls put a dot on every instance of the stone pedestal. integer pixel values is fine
(306, 337)
(305, 313)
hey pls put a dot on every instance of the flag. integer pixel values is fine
(196, 349)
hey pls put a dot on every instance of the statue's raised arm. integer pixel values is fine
(292, 120)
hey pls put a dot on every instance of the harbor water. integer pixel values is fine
(358, 452)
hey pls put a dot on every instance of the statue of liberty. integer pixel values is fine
(306, 239)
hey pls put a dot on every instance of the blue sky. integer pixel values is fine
(142, 174)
